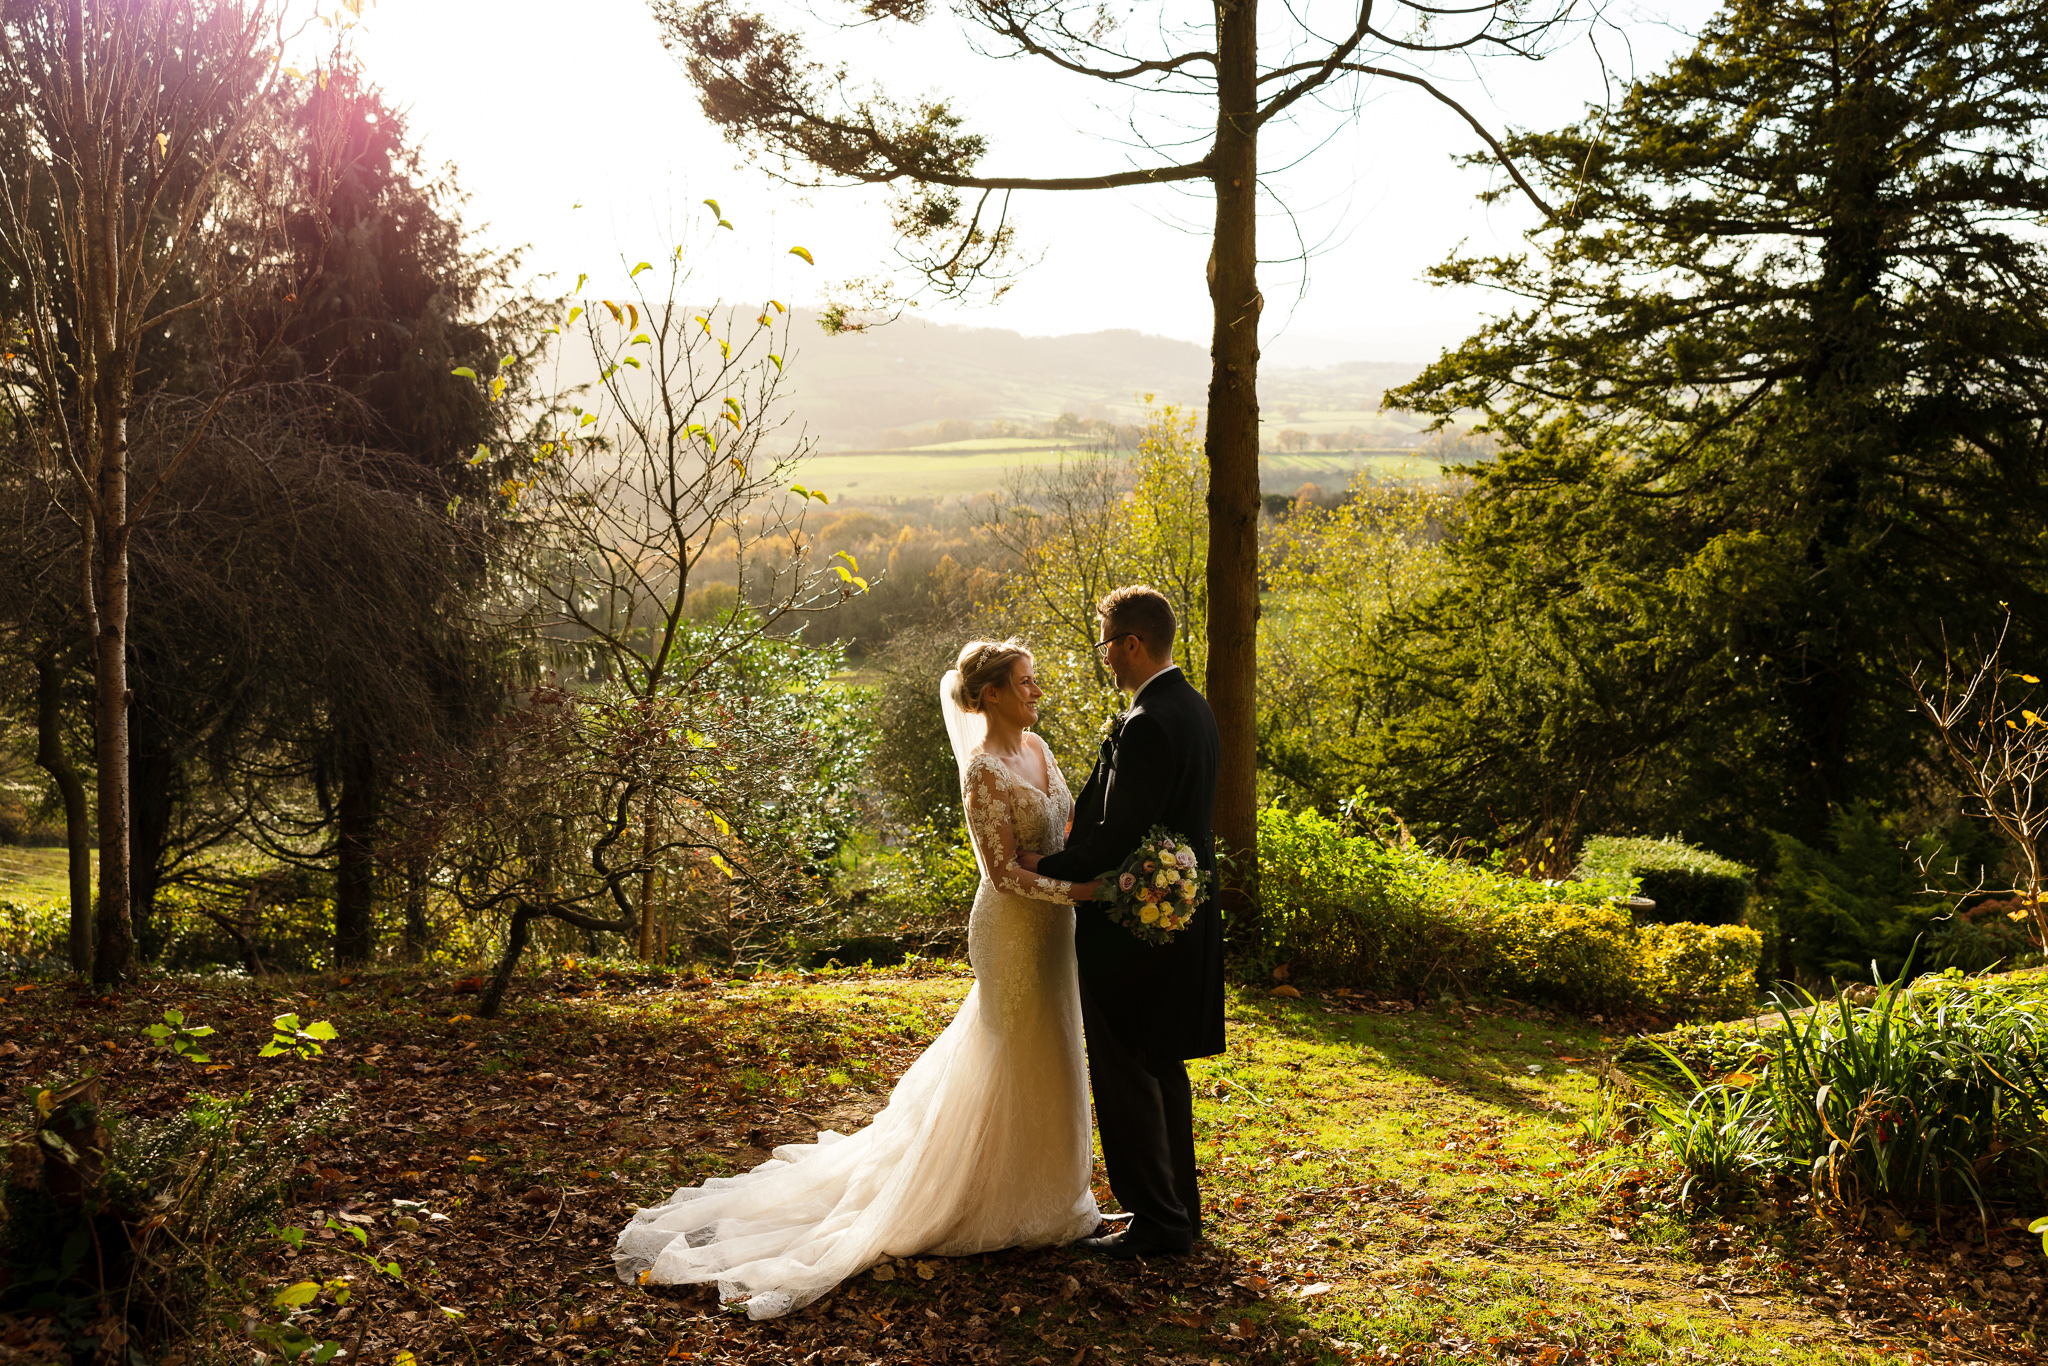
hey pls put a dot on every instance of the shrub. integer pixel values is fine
(1978, 940)
(912, 760)
(1372, 911)
(1689, 885)
(1575, 954)
(910, 898)
(1694, 971)
(290, 927)
(1862, 897)
(1341, 907)
(149, 1224)
(35, 936)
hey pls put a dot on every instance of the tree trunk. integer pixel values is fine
(105, 383)
(516, 936)
(1233, 445)
(416, 928)
(649, 840)
(355, 890)
(114, 961)
(153, 795)
(243, 927)
(56, 761)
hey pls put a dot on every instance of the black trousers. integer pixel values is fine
(1145, 1114)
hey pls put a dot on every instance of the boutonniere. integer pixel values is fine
(1114, 726)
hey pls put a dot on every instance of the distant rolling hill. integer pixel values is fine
(872, 390)
(876, 407)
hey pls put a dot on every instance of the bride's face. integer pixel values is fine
(1016, 700)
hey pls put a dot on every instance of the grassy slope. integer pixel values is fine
(1420, 1164)
(1383, 1182)
(33, 875)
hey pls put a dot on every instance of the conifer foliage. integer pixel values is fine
(1772, 401)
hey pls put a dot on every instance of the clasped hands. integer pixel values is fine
(1093, 890)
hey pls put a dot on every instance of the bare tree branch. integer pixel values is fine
(1499, 152)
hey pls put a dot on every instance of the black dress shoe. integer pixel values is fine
(1122, 1246)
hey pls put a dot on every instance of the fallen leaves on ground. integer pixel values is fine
(495, 1161)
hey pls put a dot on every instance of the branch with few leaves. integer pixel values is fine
(1998, 747)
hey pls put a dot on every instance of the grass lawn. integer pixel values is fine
(33, 875)
(1384, 1182)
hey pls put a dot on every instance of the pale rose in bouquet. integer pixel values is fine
(1155, 893)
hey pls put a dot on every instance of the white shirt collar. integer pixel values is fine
(1140, 692)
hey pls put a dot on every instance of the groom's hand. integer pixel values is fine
(1027, 860)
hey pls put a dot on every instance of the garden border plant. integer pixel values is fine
(1922, 1096)
(1376, 911)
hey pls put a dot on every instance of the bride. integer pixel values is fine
(984, 1143)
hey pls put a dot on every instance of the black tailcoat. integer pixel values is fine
(1158, 768)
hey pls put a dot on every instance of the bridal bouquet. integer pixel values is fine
(1155, 892)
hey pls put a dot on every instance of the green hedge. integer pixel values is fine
(1689, 885)
(1697, 971)
(1575, 955)
(1352, 909)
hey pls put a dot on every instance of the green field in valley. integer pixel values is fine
(985, 465)
(1334, 470)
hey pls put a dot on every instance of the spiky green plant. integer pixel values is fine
(1919, 1096)
(1721, 1131)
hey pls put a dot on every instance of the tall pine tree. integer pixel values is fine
(1773, 405)
(313, 613)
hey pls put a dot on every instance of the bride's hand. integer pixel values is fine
(1085, 891)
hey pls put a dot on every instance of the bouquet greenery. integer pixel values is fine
(1155, 892)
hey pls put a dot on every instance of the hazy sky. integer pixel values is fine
(576, 134)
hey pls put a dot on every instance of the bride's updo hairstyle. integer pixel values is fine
(984, 664)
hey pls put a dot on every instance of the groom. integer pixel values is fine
(1146, 1007)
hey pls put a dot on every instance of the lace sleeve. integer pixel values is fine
(994, 828)
(1062, 795)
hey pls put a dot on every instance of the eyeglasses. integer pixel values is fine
(1103, 645)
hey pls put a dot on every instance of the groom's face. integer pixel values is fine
(1120, 655)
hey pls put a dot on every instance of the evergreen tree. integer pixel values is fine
(1772, 406)
(400, 300)
(310, 616)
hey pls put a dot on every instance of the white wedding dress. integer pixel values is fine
(985, 1142)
